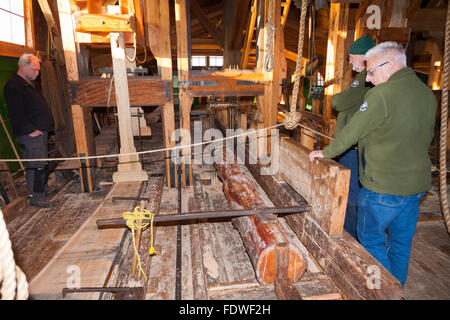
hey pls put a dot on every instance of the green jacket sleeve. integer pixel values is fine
(352, 95)
(370, 116)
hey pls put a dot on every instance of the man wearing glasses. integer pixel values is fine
(347, 103)
(394, 128)
(31, 120)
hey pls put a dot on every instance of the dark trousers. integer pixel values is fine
(35, 171)
(350, 160)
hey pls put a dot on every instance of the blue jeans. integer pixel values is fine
(379, 212)
(350, 160)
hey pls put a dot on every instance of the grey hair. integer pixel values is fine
(26, 58)
(389, 48)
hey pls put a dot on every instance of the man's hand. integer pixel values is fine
(315, 154)
(35, 133)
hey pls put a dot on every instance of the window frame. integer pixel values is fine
(9, 49)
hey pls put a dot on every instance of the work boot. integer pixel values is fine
(38, 200)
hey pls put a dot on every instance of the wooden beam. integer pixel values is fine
(323, 184)
(85, 143)
(249, 35)
(157, 17)
(48, 15)
(285, 5)
(94, 6)
(428, 20)
(183, 63)
(68, 39)
(336, 57)
(105, 23)
(95, 92)
(413, 6)
(215, 33)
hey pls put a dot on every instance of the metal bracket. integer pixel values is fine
(197, 83)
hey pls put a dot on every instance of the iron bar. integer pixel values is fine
(119, 222)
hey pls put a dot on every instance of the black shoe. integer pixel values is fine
(41, 204)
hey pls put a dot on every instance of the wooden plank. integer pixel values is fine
(88, 254)
(323, 184)
(105, 23)
(143, 91)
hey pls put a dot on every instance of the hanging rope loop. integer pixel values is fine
(444, 124)
(292, 118)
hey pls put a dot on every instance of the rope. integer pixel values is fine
(444, 120)
(292, 118)
(134, 222)
(142, 152)
(13, 281)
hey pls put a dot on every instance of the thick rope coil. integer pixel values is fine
(14, 284)
(444, 124)
(292, 118)
(133, 219)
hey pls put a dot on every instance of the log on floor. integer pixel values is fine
(261, 234)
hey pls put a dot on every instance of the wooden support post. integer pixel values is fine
(336, 55)
(183, 63)
(68, 39)
(129, 168)
(157, 17)
(85, 143)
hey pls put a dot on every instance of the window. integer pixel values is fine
(12, 22)
(198, 61)
(216, 61)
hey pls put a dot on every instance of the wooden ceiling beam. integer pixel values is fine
(215, 33)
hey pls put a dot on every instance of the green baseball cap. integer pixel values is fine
(362, 45)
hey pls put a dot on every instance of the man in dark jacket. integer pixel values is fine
(346, 103)
(31, 120)
(393, 127)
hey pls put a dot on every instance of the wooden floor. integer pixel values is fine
(214, 263)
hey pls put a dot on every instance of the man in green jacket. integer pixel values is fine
(346, 103)
(394, 128)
